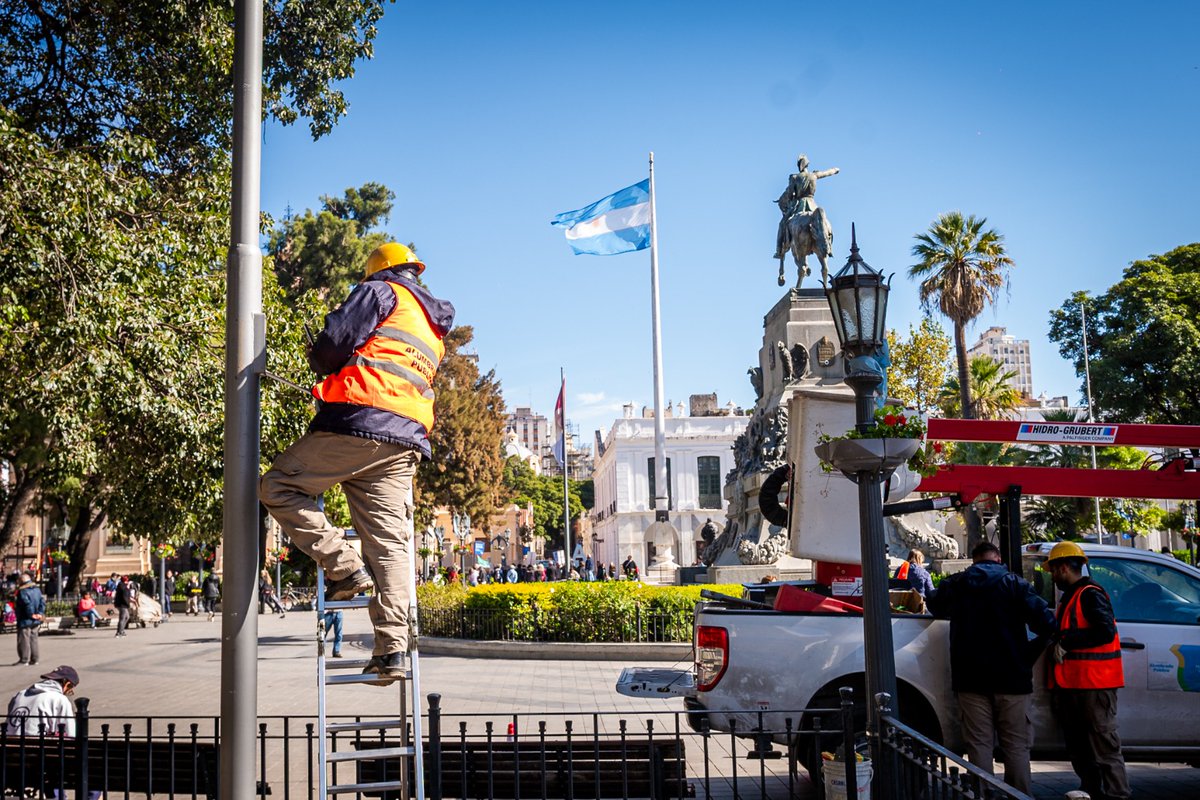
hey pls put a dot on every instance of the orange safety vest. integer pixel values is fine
(902, 571)
(1092, 667)
(395, 367)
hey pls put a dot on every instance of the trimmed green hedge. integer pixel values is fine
(566, 611)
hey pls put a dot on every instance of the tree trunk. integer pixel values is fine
(16, 505)
(88, 520)
(964, 373)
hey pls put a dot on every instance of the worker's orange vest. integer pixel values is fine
(394, 368)
(902, 571)
(1092, 667)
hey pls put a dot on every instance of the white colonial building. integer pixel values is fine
(699, 454)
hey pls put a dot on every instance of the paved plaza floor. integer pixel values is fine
(174, 671)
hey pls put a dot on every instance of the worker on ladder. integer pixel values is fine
(379, 353)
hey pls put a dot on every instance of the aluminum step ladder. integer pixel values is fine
(345, 671)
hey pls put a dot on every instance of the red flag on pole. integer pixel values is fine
(560, 425)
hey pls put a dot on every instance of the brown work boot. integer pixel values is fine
(345, 588)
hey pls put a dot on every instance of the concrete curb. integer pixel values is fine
(558, 651)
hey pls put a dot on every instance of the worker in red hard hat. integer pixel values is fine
(378, 353)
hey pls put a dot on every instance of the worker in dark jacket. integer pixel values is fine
(991, 657)
(380, 352)
(1085, 675)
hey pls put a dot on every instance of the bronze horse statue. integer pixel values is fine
(809, 233)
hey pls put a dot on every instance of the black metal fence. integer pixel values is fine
(573, 756)
(532, 624)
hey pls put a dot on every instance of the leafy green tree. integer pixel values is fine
(545, 493)
(994, 397)
(1143, 340)
(111, 332)
(114, 179)
(324, 252)
(920, 365)
(75, 71)
(961, 267)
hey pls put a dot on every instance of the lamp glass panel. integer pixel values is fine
(848, 322)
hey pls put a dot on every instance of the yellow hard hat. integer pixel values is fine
(1066, 550)
(392, 254)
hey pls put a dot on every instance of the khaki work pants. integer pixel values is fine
(377, 479)
(27, 644)
(988, 718)
(1088, 718)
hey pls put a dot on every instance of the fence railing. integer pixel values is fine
(919, 767)
(532, 624)
(573, 756)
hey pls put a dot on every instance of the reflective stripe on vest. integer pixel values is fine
(1090, 668)
(395, 367)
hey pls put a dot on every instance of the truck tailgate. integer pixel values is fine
(656, 682)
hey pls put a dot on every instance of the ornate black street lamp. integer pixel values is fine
(858, 296)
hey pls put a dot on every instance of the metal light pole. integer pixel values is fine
(462, 530)
(857, 297)
(1087, 372)
(245, 333)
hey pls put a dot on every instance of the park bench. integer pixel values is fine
(180, 768)
(80, 622)
(581, 768)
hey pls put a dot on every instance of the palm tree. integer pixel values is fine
(994, 396)
(961, 268)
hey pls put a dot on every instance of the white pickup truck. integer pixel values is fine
(750, 660)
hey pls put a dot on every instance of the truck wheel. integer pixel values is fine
(915, 712)
(768, 496)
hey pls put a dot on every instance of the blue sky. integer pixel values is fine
(1071, 126)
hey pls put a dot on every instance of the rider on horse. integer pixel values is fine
(800, 209)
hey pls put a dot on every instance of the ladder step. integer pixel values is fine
(369, 755)
(356, 602)
(377, 725)
(333, 680)
(346, 663)
(373, 788)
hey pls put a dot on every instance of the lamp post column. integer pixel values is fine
(877, 606)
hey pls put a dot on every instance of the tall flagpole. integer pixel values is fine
(562, 382)
(660, 425)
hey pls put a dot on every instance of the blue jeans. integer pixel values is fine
(91, 615)
(333, 622)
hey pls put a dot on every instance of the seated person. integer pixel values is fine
(86, 609)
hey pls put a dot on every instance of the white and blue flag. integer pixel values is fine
(618, 223)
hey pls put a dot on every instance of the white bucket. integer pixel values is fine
(835, 780)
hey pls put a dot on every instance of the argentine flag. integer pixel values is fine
(617, 224)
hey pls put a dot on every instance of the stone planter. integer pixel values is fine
(852, 456)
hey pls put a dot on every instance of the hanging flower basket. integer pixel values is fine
(851, 456)
(59, 556)
(895, 438)
(279, 553)
(164, 550)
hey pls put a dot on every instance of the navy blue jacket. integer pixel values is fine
(346, 330)
(989, 609)
(29, 602)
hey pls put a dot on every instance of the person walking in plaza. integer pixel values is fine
(211, 592)
(30, 608)
(913, 570)
(167, 593)
(192, 590)
(266, 591)
(123, 600)
(1085, 673)
(45, 707)
(380, 352)
(333, 622)
(991, 657)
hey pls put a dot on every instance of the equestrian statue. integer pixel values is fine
(803, 228)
